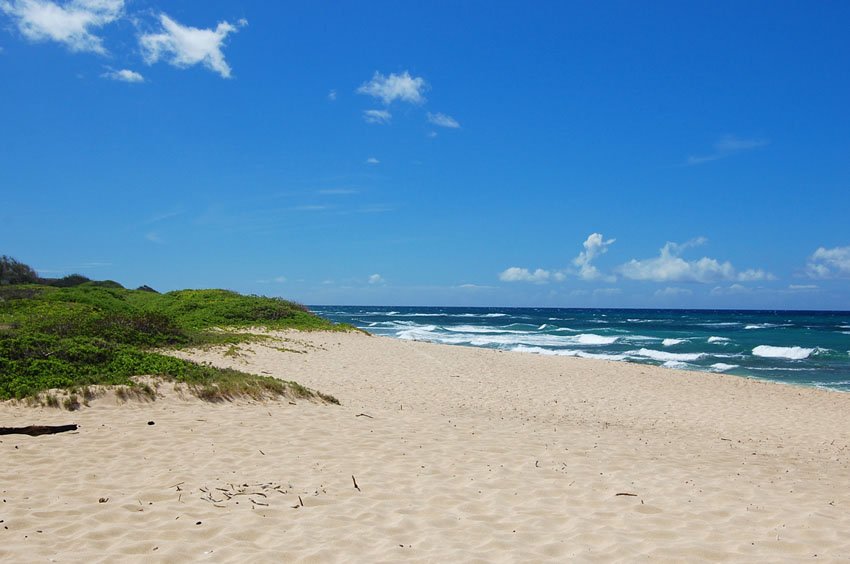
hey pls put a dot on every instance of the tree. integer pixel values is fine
(14, 272)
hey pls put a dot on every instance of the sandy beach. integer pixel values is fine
(436, 454)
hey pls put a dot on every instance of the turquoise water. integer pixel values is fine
(808, 348)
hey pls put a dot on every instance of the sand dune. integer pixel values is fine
(459, 454)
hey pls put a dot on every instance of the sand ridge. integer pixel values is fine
(459, 454)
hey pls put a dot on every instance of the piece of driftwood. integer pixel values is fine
(36, 430)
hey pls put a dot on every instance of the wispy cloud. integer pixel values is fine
(475, 287)
(72, 23)
(673, 292)
(727, 146)
(402, 87)
(275, 280)
(669, 266)
(380, 117)
(184, 46)
(443, 120)
(156, 218)
(154, 237)
(124, 75)
(376, 279)
(332, 95)
(372, 161)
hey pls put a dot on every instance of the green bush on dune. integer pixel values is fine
(86, 333)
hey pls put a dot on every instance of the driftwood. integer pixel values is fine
(36, 430)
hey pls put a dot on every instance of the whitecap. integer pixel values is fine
(481, 329)
(672, 342)
(677, 364)
(766, 325)
(591, 339)
(568, 352)
(722, 367)
(665, 356)
(791, 353)
(719, 340)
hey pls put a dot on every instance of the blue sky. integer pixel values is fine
(610, 154)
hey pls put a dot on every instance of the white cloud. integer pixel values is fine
(594, 246)
(443, 120)
(474, 287)
(70, 23)
(829, 263)
(332, 95)
(670, 267)
(803, 287)
(376, 279)
(730, 290)
(395, 87)
(672, 292)
(184, 46)
(280, 279)
(372, 161)
(124, 75)
(727, 146)
(516, 274)
(380, 117)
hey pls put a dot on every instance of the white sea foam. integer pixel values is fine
(672, 342)
(502, 339)
(791, 353)
(678, 364)
(591, 339)
(665, 356)
(423, 315)
(568, 352)
(568, 329)
(767, 325)
(781, 369)
(481, 329)
(719, 340)
(722, 367)
(639, 338)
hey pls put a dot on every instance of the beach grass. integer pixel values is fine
(55, 337)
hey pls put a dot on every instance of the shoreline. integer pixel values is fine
(458, 453)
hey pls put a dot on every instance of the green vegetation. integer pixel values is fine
(77, 333)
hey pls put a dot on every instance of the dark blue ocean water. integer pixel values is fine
(808, 348)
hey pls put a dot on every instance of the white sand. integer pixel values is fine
(468, 455)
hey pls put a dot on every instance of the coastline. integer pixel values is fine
(458, 453)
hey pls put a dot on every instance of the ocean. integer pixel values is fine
(810, 348)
